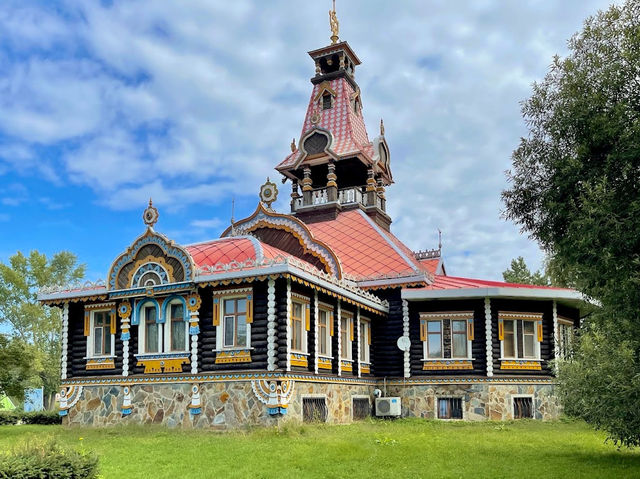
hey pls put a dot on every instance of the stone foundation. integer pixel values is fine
(234, 404)
(479, 401)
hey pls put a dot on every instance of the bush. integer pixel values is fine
(47, 460)
(36, 417)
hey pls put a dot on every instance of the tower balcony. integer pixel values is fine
(352, 196)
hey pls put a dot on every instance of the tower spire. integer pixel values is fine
(334, 24)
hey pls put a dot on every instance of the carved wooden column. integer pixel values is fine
(332, 186)
(307, 189)
(295, 194)
(371, 188)
(380, 192)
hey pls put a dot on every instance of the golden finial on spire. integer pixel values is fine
(334, 24)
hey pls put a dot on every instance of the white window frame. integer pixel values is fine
(169, 329)
(349, 319)
(142, 328)
(329, 310)
(436, 412)
(364, 341)
(220, 329)
(516, 339)
(304, 306)
(91, 338)
(441, 317)
(533, 404)
(564, 324)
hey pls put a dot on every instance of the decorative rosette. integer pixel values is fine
(124, 310)
(194, 301)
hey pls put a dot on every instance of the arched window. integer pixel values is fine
(150, 328)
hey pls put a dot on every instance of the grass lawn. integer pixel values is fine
(405, 448)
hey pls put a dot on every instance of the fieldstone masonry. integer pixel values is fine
(233, 404)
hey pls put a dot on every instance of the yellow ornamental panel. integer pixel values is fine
(112, 317)
(470, 330)
(249, 308)
(307, 317)
(351, 328)
(501, 330)
(87, 323)
(369, 333)
(216, 311)
(539, 323)
(423, 330)
(331, 329)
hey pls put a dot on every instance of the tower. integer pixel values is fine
(333, 162)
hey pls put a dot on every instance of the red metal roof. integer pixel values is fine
(346, 126)
(364, 249)
(430, 265)
(452, 282)
(227, 250)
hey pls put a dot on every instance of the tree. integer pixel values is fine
(519, 272)
(17, 369)
(30, 322)
(575, 188)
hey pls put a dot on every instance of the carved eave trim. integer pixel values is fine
(335, 48)
(447, 315)
(379, 166)
(169, 247)
(263, 218)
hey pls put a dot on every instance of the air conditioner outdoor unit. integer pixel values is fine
(388, 407)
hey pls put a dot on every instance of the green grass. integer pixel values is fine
(381, 449)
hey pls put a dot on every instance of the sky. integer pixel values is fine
(104, 104)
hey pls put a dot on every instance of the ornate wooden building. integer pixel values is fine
(310, 314)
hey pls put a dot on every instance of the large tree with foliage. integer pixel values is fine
(575, 188)
(519, 272)
(30, 322)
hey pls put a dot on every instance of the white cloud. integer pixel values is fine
(194, 102)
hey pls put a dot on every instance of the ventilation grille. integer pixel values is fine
(315, 144)
(361, 408)
(522, 408)
(314, 410)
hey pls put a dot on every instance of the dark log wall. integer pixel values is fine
(569, 313)
(388, 360)
(77, 347)
(478, 345)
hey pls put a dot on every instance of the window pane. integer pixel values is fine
(460, 345)
(229, 306)
(177, 311)
(97, 341)
(242, 330)
(508, 345)
(508, 327)
(297, 310)
(443, 408)
(229, 330)
(528, 327)
(529, 343)
(297, 335)
(434, 326)
(242, 305)
(178, 336)
(323, 342)
(107, 341)
(434, 345)
(150, 314)
(151, 337)
(459, 326)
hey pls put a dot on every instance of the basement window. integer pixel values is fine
(523, 408)
(314, 409)
(361, 408)
(450, 408)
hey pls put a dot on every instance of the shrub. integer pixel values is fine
(36, 417)
(47, 460)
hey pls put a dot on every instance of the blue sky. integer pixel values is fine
(104, 104)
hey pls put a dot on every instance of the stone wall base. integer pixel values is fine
(235, 404)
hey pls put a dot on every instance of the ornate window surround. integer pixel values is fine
(467, 316)
(90, 312)
(232, 354)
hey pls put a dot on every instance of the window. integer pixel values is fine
(314, 409)
(522, 407)
(152, 330)
(361, 408)
(179, 327)
(449, 408)
(346, 336)
(520, 338)
(365, 341)
(446, 335)
(232, 317)
(298, 332)
(565, 338)
(325, 330)
(101, 340)
(326, 101)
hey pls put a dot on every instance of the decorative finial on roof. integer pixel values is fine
(233, 223)
(268, 193)
(439, 240)
(381, 127)
(150, 215)
(334, 24)
(293, 145)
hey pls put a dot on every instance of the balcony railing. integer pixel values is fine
(346, 196)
